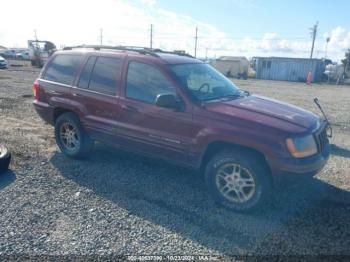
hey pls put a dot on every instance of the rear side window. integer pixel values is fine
(101, 75)
(63, 68)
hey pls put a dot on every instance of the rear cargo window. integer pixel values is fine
(63, 68)
(105, 75)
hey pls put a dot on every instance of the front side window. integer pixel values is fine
(101, 75)
(63, 69)
(145, 83)
(204, 82)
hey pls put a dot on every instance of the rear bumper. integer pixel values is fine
(44, 110)
(293, 169)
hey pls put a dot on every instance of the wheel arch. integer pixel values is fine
(215, 147)
(58, 111)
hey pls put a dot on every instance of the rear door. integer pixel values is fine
(145, 127)
(96, 95)
(58, 79)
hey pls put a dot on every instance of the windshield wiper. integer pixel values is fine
(226, 97)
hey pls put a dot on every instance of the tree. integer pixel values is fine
(346, 61)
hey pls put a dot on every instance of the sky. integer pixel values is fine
(225, 27)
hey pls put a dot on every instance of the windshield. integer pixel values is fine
(204, 82)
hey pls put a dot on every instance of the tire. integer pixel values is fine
(5, 159)
(254, 180)
(71, 137)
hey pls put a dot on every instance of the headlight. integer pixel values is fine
(302, 146)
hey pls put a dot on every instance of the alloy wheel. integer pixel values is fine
(235, 183)
(69, 136)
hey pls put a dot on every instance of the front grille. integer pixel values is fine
(321, 138)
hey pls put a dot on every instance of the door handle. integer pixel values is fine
(77, 95)
(54, 93)
(129, 108)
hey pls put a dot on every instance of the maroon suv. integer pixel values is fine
(174, 107)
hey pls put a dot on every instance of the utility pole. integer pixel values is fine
(101, 36)
(206, 54)
(35, 35)
(327, 42)
(347, 62)
(151, 37)
(313, 34)
(195, 45)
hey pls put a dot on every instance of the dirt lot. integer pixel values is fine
(116, 203)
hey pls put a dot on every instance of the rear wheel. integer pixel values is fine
(238, 180)
(71, 137)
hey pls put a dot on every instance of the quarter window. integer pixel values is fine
(145, 83)
(63, 68)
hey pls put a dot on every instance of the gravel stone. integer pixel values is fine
(114, 203)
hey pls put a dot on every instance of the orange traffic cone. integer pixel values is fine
(309, 78)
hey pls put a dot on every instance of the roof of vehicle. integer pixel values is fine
(176, 57)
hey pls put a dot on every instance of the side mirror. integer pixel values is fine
(167, 101)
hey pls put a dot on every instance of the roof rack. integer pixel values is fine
(138, 49)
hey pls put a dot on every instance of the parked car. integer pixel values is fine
(176, 108)
(23, 55)
(8, 53)
(3, 63)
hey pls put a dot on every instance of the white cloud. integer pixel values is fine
(67, 22)
(148, 2)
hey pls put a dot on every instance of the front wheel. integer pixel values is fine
(237, 180)
(71, 137)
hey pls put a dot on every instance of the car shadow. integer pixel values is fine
(6, 179)
(177, 199)
(339, 151)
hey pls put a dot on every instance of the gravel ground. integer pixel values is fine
(117, 203)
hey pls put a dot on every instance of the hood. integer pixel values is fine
(266, 111)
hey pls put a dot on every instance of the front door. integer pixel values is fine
(145, 127)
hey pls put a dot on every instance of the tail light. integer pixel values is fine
(36, 88)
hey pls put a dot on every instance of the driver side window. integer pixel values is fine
(145, 83)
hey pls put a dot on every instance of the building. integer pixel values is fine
(232, 66)
(288, 69)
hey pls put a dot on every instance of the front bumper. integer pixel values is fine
(293, 168)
